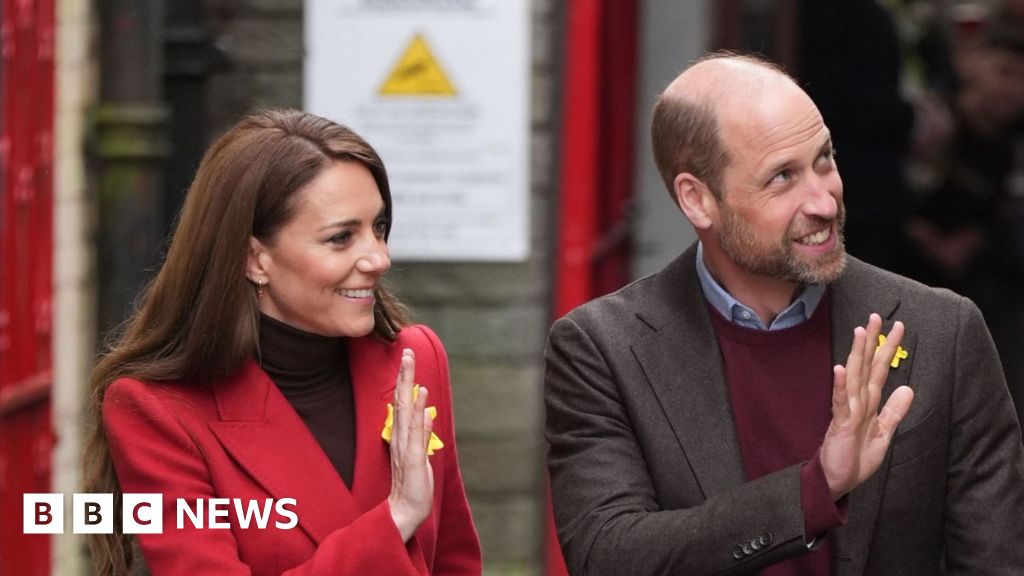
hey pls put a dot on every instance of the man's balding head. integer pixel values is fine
(686, 128)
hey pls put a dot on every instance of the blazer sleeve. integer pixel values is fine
(985, 482)
(458, 546)
(153, 452)
(609, 518)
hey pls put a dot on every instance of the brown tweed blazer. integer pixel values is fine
(645, 467)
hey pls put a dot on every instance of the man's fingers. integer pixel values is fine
(840, 400)
(896, 334)
(855, 361)
(884, 353)
(874, 328)
(895, 409)
(881, 364)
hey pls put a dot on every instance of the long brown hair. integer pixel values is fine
(197, 321)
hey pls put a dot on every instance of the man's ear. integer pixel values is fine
(255, 266)
(695, 199)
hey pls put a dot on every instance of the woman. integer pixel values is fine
(261, 365)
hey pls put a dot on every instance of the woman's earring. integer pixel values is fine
(259, 288)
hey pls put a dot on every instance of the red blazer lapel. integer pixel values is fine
(374, 367)
(374, 373)
(267, 438)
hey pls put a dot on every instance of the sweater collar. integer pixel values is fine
(293, 356)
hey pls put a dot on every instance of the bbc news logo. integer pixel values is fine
(143, 513)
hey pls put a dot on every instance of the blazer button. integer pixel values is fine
(756, 544)
(766, 538)
(747, 550)
(737, 553)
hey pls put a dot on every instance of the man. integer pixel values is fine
(731, 415)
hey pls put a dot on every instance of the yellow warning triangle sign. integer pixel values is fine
(417, 73)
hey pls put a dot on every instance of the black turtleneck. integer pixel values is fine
(312, 373)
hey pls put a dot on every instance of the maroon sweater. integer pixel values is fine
(780, 386)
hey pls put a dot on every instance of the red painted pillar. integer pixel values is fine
(581, 132)
(596, 165)
(597, 150)
(578, 211)
(26, 261)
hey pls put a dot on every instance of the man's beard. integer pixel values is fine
(781, 260)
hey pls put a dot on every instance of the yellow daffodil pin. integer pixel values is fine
(389, 422)
(901, 353)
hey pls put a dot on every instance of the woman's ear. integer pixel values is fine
(695, 199)
(255, 268)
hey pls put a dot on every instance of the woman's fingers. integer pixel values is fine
(417, 447)
(412, 478)
(428, 427)
(412, 424)
(403, 401)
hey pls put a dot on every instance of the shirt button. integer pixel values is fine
(745, 315)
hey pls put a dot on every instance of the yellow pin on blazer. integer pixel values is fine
(901, 352)
(434, 444)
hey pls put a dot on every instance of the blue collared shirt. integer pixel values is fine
(800, 310)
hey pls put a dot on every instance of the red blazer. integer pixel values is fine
(240, 438)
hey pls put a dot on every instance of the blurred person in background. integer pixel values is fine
(967, 226)
(267, 361)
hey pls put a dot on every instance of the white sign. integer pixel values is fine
(441, 89)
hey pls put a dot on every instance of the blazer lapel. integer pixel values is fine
(374, 366)
(679, 359)
(374, 373)
(267, 438)
(854, 297)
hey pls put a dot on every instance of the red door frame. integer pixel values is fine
(596, 184)
(597, 150)
(26, 257)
